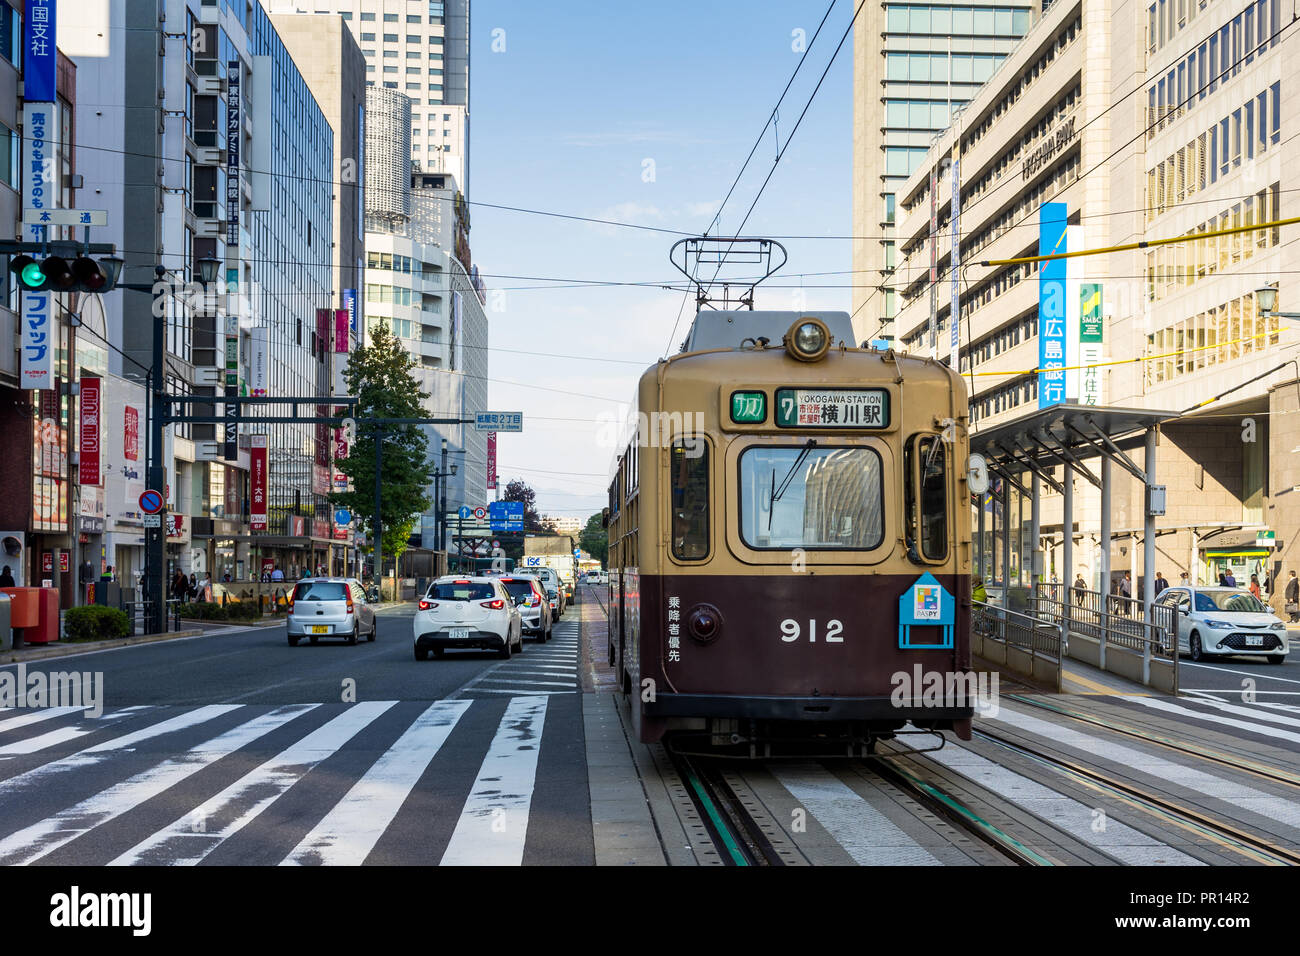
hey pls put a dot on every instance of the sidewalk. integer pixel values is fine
(597, 676)
(40, 652)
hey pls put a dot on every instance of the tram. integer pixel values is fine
(789, 541)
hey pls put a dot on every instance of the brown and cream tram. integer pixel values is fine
(789, 539)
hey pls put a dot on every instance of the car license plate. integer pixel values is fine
(459, 633)
(1254, 640)
(320, 629)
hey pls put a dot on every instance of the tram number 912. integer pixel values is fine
(791, 631)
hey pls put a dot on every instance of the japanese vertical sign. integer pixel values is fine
(341, 326)
(40, 163)
(89, 445)
(38, 341)
(1090, 342)
(234, 133)
(674, 629)
(492, 461)
(131, 433)
(934, 260)
(260, 338)
(1051, 305)
(40, 60)
(257, 483)
(1074, 239)
(954, 262)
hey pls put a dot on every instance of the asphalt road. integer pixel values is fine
(235, 748)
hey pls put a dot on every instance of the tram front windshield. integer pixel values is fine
(829, 500)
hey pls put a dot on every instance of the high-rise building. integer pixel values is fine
(417, 286)
(1191, 141)
(216, 148)
(422, 51)
(915, 66)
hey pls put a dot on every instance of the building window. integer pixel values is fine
(367, 18)
(367, 37)
(390, 37)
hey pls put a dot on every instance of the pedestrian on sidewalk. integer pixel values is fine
(979, 592)
(7, 578)
(1254, 586)
(1229, 579)
(1292, 597)
(1161, 583)
(1126, 592)
(1080, 589)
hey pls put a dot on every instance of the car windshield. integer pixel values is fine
(1233, 602)
(461, 591)
(518, 587)
(319, 591)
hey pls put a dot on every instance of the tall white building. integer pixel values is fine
(420, 49)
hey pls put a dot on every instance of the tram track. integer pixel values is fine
(1246, 843)
(1182, 747)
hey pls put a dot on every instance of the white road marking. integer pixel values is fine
(1252, 725)
(1124, 843)
(225, 814)
(66, 825)
(493, 823)
(55, 737)
(1228, 791)
(866, 834)
(104, 751)
(347, 834)
(515, 691)
(24, 717)
(542, 683)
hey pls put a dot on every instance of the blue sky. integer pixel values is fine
(637, 113)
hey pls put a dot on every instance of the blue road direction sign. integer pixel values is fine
(343, 517)
(151, 502)
(499, 421)
(466, 511)
(506, 515)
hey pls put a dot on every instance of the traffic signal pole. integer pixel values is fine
(155, 474)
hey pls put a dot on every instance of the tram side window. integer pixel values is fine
(933, 482)
(690, 499)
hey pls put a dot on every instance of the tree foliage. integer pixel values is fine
(379, 375)
(594, 539)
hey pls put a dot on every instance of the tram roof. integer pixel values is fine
(1081, 431)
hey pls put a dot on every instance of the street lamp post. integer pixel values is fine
(1267, 301)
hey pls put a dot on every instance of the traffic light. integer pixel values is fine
(56, 274)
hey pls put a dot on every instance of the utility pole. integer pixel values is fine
(155, 473)
(442, 504)
(376, 526)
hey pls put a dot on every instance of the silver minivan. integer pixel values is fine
(330, 607)
(554, 588)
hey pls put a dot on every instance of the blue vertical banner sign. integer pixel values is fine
(234, 136)
(40, 83)
(38, 341)
(954, 266)
(350, 305)
(1051, 305)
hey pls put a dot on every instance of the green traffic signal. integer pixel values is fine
(56, 274)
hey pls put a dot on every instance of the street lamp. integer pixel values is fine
(1267, 301)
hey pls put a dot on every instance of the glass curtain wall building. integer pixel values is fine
(915, 67)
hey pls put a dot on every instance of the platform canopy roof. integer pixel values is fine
(1065, 434)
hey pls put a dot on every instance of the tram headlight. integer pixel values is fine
(704, 623)
(808, 340)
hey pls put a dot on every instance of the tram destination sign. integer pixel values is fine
(832, 408)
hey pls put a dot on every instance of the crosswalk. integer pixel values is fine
(542, 670)
(452, 782)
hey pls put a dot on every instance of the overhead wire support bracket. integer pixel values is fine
(708, 250)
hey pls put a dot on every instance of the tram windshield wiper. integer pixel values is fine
(789, 476)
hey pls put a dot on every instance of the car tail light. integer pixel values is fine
(426, 605)
(496, 605)
(460, 582)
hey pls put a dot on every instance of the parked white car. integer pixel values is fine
(467, 612)
(1215, 621)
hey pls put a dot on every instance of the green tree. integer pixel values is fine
(379, 375)
(594, 539)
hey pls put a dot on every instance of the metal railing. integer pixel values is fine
(1015, 629)
(138, 615)
(1112, 619)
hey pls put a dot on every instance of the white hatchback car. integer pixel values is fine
(1219, 620)
(467, 611)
